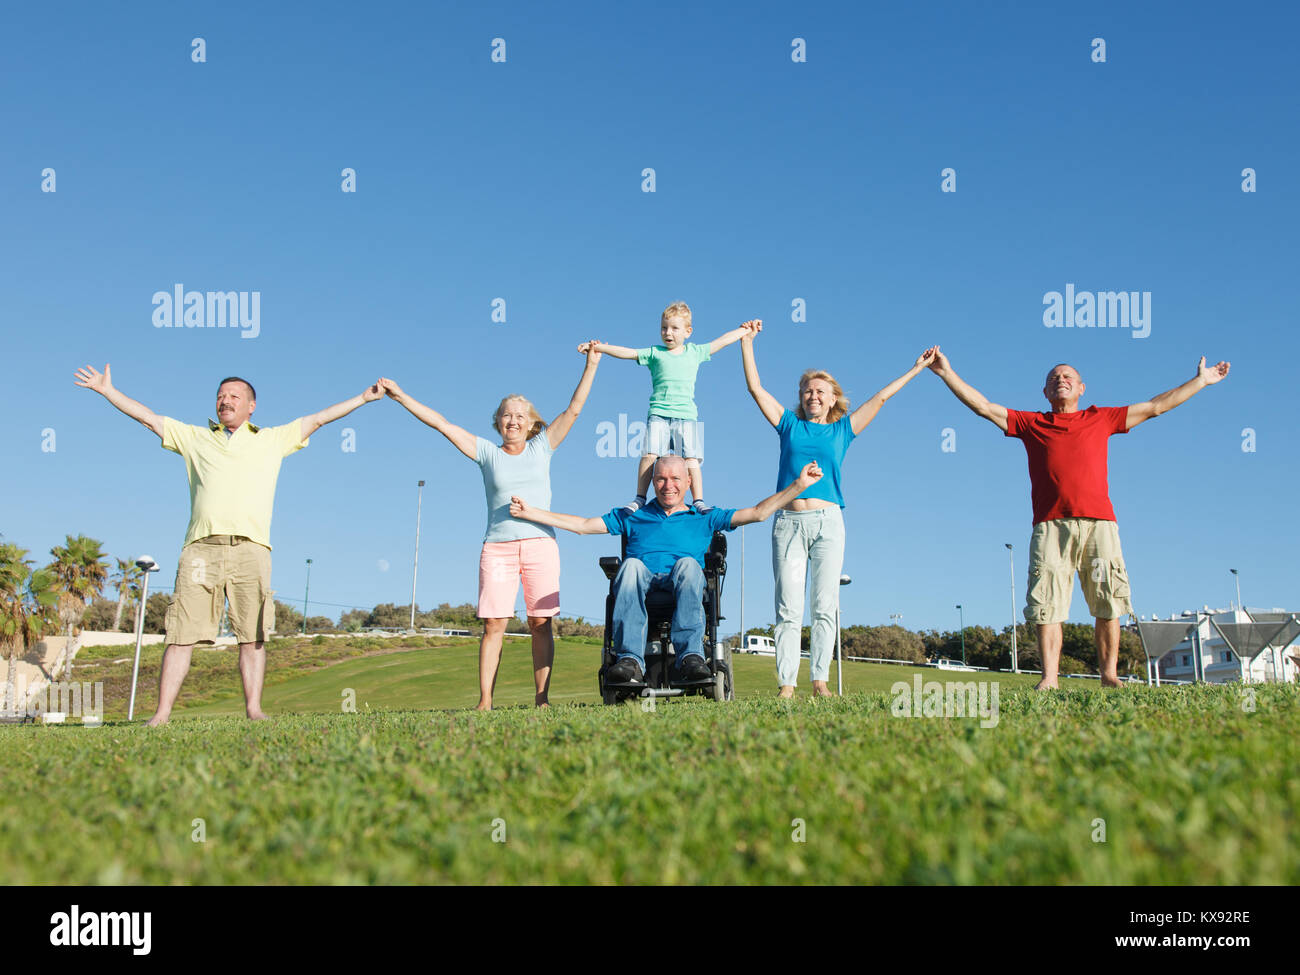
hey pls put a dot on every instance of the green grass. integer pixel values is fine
(1193, 789)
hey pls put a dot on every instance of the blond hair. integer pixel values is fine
(538, 424)
(841, 401)
(677, 308)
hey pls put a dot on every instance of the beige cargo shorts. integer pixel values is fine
(1060, 548)
(213, 570)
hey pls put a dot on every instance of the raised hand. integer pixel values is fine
(1209, 374)
(752, 328)
(938, 363)
(374, 392)
(810, 474)
(927, 357)
(390, 388)
(591, 350)
(102, 382)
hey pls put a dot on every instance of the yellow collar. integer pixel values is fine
(214, 426)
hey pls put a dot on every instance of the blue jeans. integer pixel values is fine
(631, 586)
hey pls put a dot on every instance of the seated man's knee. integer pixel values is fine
(687, 573)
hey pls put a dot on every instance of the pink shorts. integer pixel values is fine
(500, 567)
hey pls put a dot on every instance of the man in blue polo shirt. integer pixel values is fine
(666, 544)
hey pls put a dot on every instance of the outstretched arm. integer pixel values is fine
(766, 508)
(767, 403)
(729, 338)
(1205, 376)
(617, 351)
(102, 383)
(461, 439)
(562, 424)
(865, 413)
(573, 523)
(311, 423)
(972, 397)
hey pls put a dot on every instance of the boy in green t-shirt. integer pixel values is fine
(673, 419)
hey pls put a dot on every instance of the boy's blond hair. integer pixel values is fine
(538, 424)
(841, 401)
(677, 309)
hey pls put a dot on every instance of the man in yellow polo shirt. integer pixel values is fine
(232, 466)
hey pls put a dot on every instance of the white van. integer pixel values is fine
(764, 645)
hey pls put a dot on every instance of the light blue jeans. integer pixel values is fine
(804, 544)
(631, 586)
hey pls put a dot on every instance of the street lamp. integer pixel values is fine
(1238, 581)
(304, 599)
(742, 589)
(1015, 664)
(839, 641)
(962, 616)
(419, 498)
(147, 565)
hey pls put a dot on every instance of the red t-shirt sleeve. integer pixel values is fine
(1118, 416)
(1016, 422)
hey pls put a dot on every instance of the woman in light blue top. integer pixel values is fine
(514, 549)
(808, 534)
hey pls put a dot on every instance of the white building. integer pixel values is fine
(1218, 662)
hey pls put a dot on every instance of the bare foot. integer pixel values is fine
(155, 722)
(483, 707)
(543, 704)
(786, 691)
(821, 690)
(1042, 685)
(1111, 682)
(256, 716)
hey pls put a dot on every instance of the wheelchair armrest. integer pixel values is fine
(609, 564)
(715, 563)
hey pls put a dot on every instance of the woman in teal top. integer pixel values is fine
(808, 534)
(513, 548)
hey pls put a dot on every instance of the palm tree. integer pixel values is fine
(127, 581)
(81, 576)
(27, 601)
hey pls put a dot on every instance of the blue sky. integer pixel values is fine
(775, 180)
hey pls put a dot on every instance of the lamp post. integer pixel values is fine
(419, 498)
(1238, 581)
(1015, 664)
(147, 565)
(962, 616)
(742, 589)
(305, 592)
(839, 641)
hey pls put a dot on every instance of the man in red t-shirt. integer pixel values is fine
(1074, 523)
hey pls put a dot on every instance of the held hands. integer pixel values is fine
(390, 388)
(938, 362)
(102, 383)
(517, 508)
(927, 358)
(373, 393)
(810, 475)
(752, 328)
(1208, 374)
(591, 349)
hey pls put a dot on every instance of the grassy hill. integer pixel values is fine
(1188, 786)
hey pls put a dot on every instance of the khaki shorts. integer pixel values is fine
(1060, 548)
(213, 570)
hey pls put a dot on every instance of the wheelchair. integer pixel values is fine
(660, 655)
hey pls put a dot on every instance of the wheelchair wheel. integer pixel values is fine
(723, 689)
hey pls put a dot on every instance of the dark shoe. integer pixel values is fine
(625, 671)
(694, 668)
